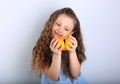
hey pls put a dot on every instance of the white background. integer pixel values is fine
(21, 22)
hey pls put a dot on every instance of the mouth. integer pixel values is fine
(57, 34)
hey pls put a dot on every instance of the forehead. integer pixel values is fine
(66, 20)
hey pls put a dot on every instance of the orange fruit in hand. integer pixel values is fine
(64, 42)
(67, 41)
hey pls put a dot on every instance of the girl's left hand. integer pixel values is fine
(73, 45)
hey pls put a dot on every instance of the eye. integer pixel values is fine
(58, 24)
(66, 29)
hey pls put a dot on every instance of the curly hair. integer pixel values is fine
(41, 55)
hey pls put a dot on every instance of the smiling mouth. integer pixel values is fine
(57, 33)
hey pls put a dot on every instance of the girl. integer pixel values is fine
(58, 66)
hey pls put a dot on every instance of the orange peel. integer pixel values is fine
(64, 43)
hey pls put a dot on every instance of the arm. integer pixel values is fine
(74, 64)
(73, 60)
(54, 70)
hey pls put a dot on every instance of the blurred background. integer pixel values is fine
(21, 22)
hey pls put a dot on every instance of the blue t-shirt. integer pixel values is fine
(63, 79)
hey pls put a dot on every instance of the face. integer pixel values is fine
(63, 26)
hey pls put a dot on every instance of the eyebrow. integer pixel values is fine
(65, 26)
(58, 21)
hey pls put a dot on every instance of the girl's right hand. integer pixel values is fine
(54, 45)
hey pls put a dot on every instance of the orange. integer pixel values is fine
(67, 41)
(64, 42)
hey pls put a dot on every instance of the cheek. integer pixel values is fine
(53, 28)
(66, 34)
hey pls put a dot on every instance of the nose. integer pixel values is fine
(60, 30)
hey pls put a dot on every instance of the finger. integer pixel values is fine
(53, 40)
(71, 37)
(55, 43)
(61, 48)
(58, 45)
(71, 44)
(73, 40)
(70, 49)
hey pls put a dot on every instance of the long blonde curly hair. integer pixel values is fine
(41, 55)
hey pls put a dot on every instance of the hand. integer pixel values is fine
(73, 44)
(54, 45)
